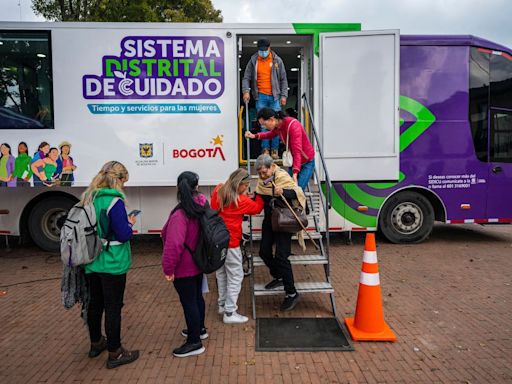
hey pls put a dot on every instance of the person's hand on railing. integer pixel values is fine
(249, 135)
(246, 97)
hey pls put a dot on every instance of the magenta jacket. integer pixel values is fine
(300, 147)
(178, 229)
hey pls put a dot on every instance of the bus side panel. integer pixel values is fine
(437, 151)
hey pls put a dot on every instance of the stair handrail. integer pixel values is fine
(320, 151)
(328, 184)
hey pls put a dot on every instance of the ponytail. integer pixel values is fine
(267, 113)
(187, 183)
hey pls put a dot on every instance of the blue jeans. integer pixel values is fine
(305, 174)
(269, 102)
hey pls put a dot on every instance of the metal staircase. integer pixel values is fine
(318, 221)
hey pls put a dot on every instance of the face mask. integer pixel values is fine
(263, 54)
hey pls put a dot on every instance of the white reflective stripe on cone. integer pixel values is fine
(370, 257)
(370, 279)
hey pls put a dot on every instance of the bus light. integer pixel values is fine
(465, 206)
(362, 208)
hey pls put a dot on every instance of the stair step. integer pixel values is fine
(315, 235)
(296, 260)
(301, 287)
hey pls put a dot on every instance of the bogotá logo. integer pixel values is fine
(201, 153)
(160, 67)
(146, 150)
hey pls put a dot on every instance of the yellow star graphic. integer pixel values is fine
(218, 140)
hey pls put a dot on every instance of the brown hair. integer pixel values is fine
(228, 192)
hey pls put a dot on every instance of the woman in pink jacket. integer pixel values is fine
(182, 228)
(290, 131)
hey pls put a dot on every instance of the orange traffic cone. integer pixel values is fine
(368, 323)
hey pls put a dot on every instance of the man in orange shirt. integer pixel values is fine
(265, 78)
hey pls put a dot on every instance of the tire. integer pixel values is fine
(406, 218)
(46, 219)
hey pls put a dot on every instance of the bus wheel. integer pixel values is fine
(46, 220)
(407, 217)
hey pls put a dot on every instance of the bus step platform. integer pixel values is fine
(315, 235)
(301, 287)
(296, 260)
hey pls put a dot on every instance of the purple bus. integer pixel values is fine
(455, 143)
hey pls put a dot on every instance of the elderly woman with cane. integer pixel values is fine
(275, 185)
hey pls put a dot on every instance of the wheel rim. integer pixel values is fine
(52, 222)
(407, 218)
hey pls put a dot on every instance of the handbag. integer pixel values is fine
(283, 220)
(287, 155)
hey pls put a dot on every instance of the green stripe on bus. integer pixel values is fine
(349, 213)
(316, 28)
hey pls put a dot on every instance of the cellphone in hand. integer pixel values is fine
(135, 212)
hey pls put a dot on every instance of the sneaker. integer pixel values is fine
(234, 318)
(189, 349)
(274, 284)
(203, 335)
(98, 347)
(121, 357)
(290, 302)
(220, 310)
(275, 154)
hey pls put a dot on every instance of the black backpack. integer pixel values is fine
(212, 246)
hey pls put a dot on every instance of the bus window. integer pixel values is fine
(25, 80)
(479, 100)
(501, 136)
(501, 81)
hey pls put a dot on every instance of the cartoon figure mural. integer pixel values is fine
(6, 166)
(65, 165)
(50, 167)
(37, 164)
(22, 171)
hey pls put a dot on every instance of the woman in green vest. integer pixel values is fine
(106, 275)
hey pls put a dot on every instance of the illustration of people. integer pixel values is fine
(65, 165)
(37, 165)
(22, 172)
(6, 166)
(50, 167)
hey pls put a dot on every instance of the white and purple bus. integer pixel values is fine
(163, 98)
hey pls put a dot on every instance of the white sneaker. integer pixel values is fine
(235, 318)
(220, 311)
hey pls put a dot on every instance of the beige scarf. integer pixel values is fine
(284, 180)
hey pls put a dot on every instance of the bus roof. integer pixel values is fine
(452, 40)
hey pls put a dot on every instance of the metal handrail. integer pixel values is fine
(320, 152)
(248, 154)
(328, 187)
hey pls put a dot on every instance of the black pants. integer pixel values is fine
(191, 297)
(279, 266)
(106, 295)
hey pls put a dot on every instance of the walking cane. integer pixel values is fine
(298, 220)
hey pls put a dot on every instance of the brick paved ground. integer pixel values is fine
(448, 300)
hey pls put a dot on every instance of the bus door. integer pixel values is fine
(499, 197)
(359, 104)
(499, 184)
